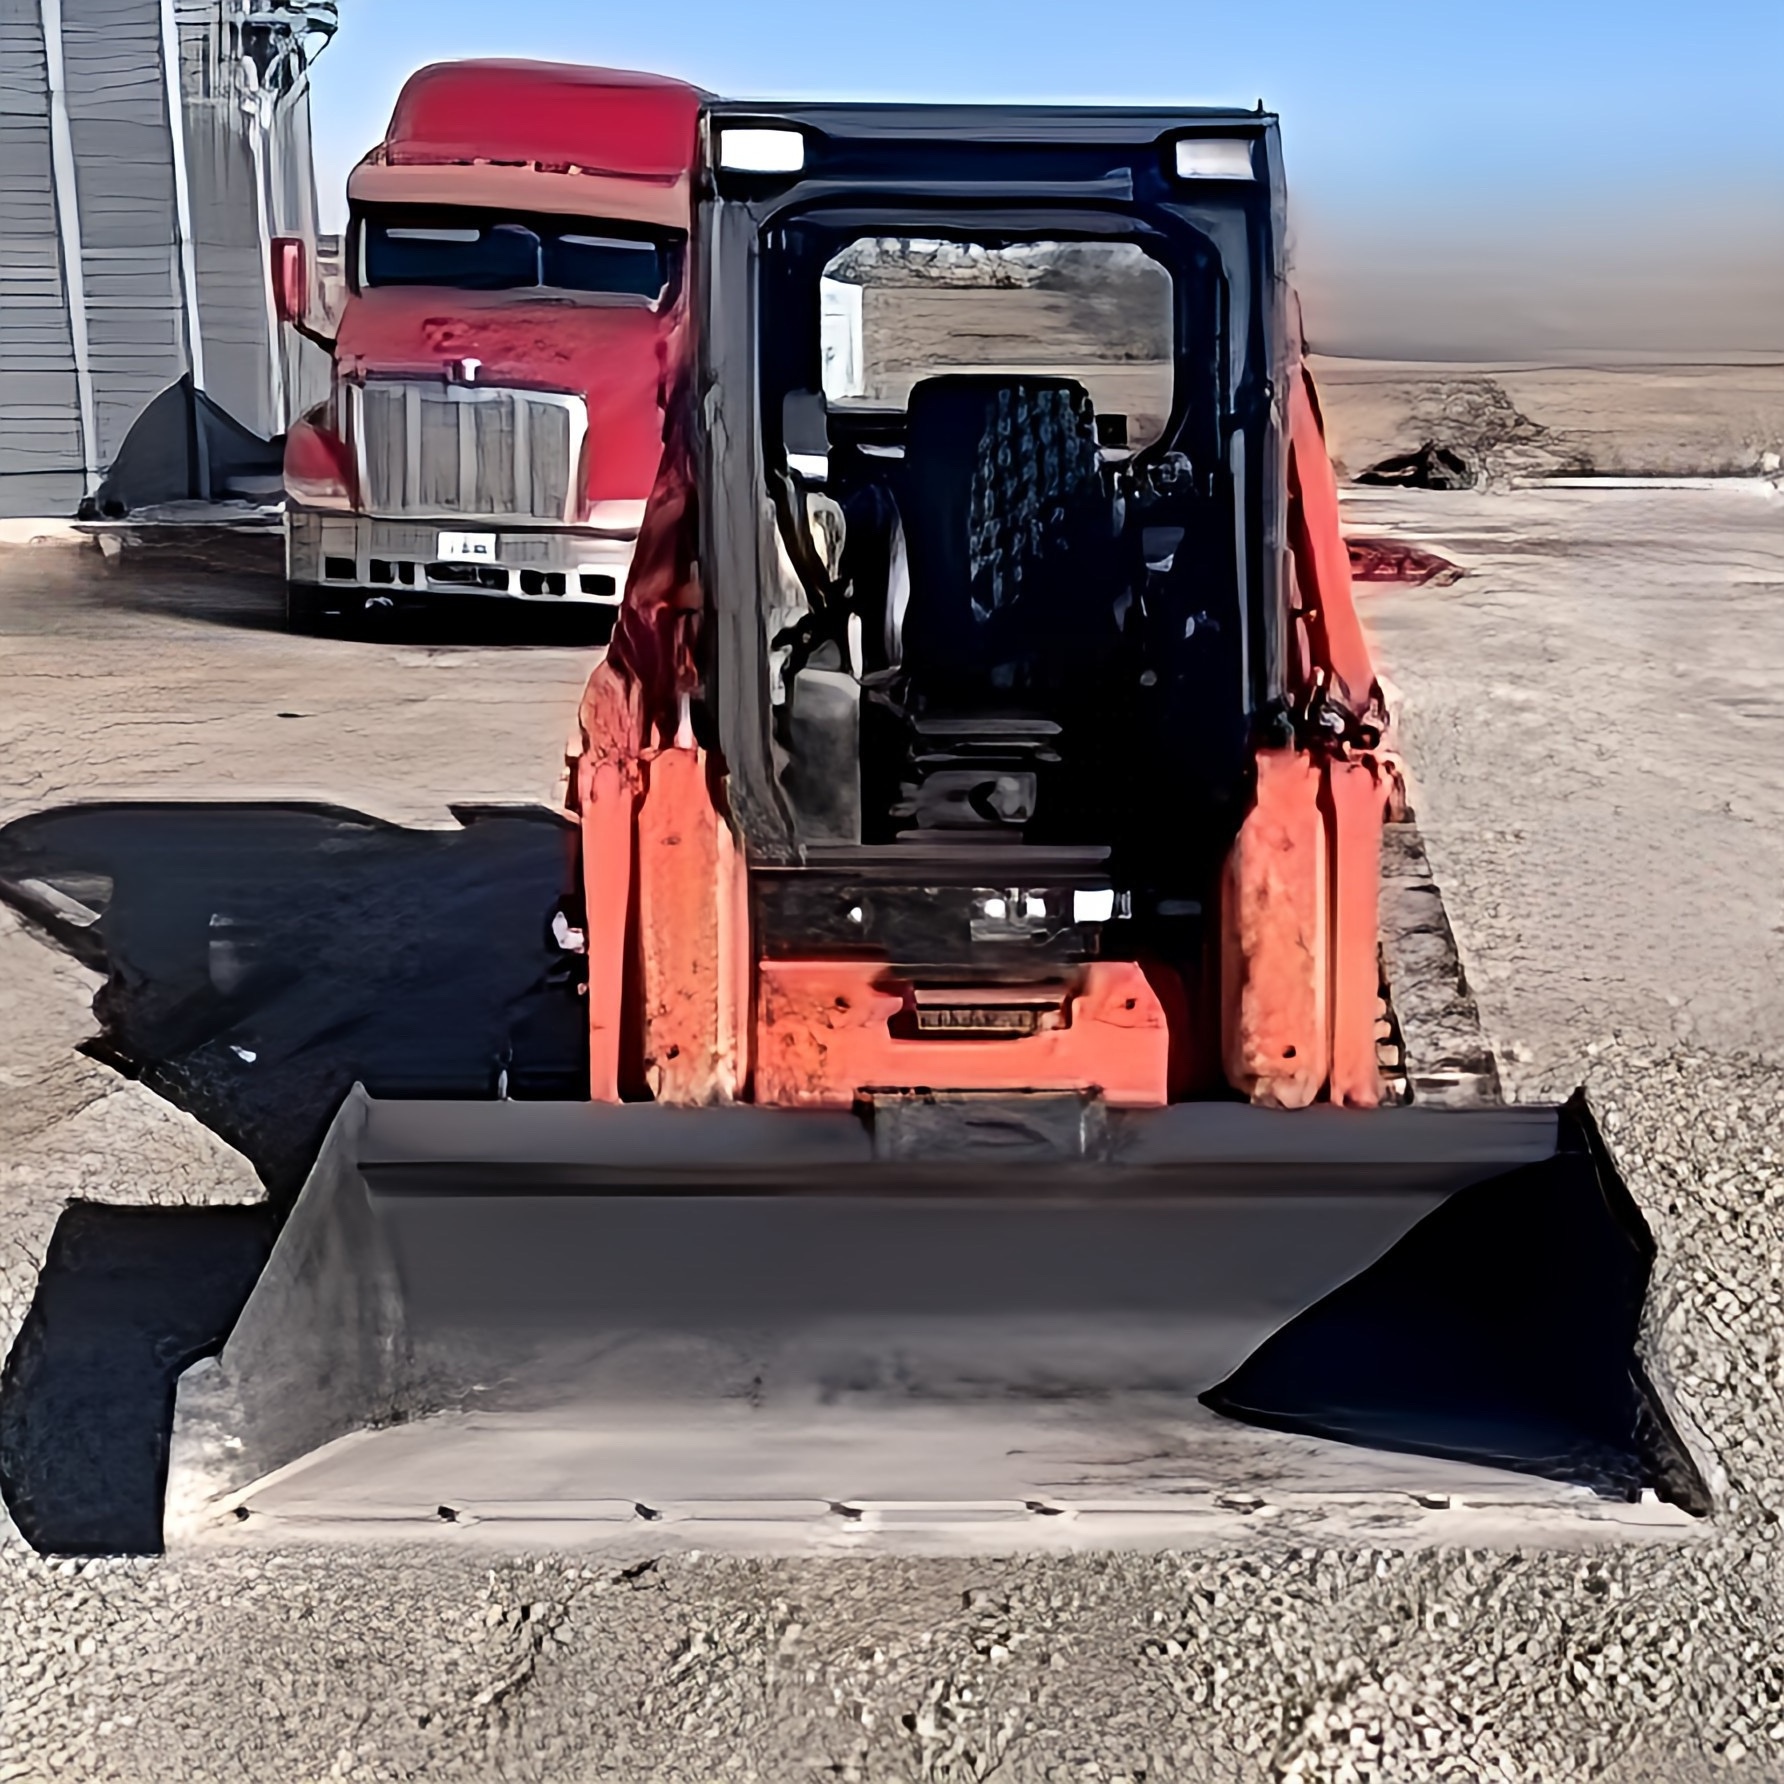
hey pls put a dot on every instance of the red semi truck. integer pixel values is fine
(513, 264)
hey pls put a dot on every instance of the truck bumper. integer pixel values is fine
(553, 566)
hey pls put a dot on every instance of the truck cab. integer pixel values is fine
(514, 264)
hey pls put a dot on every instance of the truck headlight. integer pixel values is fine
(317, 473)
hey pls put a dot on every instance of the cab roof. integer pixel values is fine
(555, 116)
(539, 137)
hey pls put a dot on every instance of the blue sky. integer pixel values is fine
(1500, 180)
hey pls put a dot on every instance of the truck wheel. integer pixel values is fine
(309, 608)
(596, 625)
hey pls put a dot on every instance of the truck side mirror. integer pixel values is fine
(291, 279)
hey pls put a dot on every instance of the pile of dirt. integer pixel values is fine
(1472, 434)
(903, 261)
(1431, 467)
(1695, 419)
(931, 304)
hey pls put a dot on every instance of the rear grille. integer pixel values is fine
(450, 451)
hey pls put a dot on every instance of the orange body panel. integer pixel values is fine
(1299, 963)
(685, 865)
(1321, 559)
(823, 1036)
(1299, 936)
(604, 787)
(607, 820)
(1274, 939)
(627, 710)
(1356, 798)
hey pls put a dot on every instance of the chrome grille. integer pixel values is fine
(454, 451)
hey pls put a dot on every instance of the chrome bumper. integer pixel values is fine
(399, 557)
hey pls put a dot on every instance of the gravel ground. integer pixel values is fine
(1594, 723)
(1594, 786)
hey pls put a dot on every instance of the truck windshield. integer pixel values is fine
(475, 251)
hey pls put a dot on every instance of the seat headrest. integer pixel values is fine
(940, 407)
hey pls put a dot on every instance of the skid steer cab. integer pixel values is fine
(988, 710)
(980, 812)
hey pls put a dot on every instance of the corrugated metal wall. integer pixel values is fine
(231, 258)
(40, 409)
(117, 235)
(123, 157)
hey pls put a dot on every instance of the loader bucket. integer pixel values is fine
(574, 1321)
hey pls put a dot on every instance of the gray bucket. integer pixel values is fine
(578, 1315)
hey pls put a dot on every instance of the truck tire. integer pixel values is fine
(311, 609)
(596, 625)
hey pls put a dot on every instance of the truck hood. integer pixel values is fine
(607, 352)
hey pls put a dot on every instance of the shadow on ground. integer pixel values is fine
(259, 960)
(235, 577)
(127, 1299)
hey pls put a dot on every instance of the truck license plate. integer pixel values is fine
(481, 546)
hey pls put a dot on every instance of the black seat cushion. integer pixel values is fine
(1011, 535)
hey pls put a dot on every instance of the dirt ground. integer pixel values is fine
(1631, 420)
(1595, 729)
(1592, 721)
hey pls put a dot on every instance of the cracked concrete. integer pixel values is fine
(170, 675)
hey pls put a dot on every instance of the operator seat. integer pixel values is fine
(1011, 532)
(1010, 627)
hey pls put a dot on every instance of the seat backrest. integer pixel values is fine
(1010, 531)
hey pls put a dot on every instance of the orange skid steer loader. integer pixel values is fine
(981, 811)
